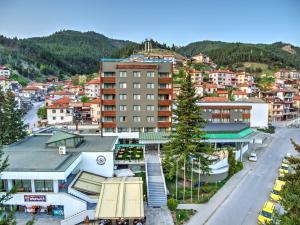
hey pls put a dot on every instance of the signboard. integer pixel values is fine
(101, 160)
(35, 198)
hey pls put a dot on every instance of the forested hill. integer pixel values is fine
(223, 53)
(65, 52)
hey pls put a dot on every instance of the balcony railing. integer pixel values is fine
(109, 102)
(109, 125)
(165, 80)
(164, 113)
(108, 113)
(165, 102)
(108, 91)
(165, 91)
(108, 80)
(165, 124)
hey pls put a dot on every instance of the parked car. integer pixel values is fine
(253, 157)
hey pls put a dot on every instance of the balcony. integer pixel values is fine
(246, 116)
(109, 125)
(108, 113)
(108, 80)
(109, 102)
(220, 115)
(165, 80)
(164, 113)
(165, 102)
(108, 91)
(165, 91)
(164, 124)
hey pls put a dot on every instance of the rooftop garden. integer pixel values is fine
(130, 153)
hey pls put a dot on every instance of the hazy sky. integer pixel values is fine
(170, 21)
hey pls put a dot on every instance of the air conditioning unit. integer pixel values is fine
(62, 150)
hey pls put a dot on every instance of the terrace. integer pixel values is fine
(129, 154)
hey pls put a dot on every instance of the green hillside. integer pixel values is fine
(277, 54)
(65, 52)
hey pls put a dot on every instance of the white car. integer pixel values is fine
(253, 157)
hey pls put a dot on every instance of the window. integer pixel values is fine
(136, 119)
(136, 108)
(123, 107)
(109, 130)
(150, 85)
(150, 74)
(163, 118)
(123, 118)
(136, 97)
(136, 74)
(2, 185)
(150, 108)
(22, 185)
(162, 129)
(136, 129)
(123, 74)
(149, 129)
(123, 85)
(61, 111)
(53, 118)
(43, 185)
(108, 119)
(123, 96)
(53, 111)
(150, 118)
(136, 85)
(61, 118)
(123, 129)
(150, 97)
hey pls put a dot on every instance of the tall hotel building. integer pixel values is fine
(136, 95)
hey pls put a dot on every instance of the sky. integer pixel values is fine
(168, 21)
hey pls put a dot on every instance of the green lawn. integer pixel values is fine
(207, 190)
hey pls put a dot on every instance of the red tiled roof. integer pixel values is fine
(211, 86)
(58, 106)
(96, 101)
(4, 78)
(29, 88)
(95, 81)
(239, 93)
(221, 71)
(62, 93)
(222, 92)
(214, 99)
(297, 97)
(63, 100)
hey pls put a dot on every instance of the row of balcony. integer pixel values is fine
(161, 80)
(114, 125)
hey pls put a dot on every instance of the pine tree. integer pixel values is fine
(2, 119)
(186, 141)
(13, 125)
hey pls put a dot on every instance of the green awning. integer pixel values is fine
(238, 135)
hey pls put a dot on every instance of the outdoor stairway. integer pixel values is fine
(156, 186)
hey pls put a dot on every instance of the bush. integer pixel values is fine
(172, 204)
(239, 166)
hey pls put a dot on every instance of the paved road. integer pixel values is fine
(31, 117)
(244, 203)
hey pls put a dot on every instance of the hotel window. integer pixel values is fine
(53, 111)
(123, 85)
(43, 185)
(150, 74)
(123, 107)
(109, 130)
(150, 118)
(61, 110)
(136, 108)
(53, 118)
(22, 185)
(136, 74)
(123, 118)
(149, 129)
(61, 118)
(123, 96)
(108, 119)
(136, 119)
(136, 85)
(123, 129)
(136, 129)
(150, 85)
(150, 97)
(136, 97)
(150, 108)
(123, 74)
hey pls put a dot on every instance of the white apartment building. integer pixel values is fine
(4, 72)
(92, 88)
(59, 114)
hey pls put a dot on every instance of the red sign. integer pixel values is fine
(35, 198)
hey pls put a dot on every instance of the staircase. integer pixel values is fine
(156, 184)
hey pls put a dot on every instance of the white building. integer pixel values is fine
(59, 114)
(92, 88)
(5, 84)
(58, 174)
(4, 72)
(258, 115)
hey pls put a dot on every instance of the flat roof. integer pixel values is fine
(121, 198)
(224, 127)
(31, 154)
(89, 183)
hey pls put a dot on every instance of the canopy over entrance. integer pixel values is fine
(121, 197)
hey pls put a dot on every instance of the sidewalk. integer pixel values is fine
(205, 211)
(158, 216)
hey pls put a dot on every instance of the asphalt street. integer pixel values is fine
(243, 204)
(31, 116)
